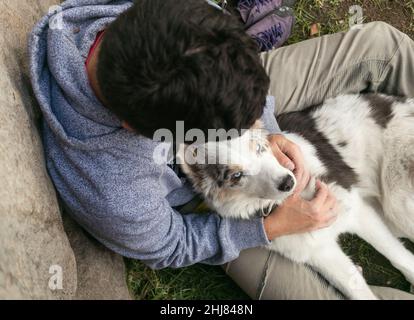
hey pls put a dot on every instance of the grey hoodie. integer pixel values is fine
(105, 174)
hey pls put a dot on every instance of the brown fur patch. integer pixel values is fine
(381, 108)
(302, 123)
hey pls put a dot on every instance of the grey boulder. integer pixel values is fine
(42, 256)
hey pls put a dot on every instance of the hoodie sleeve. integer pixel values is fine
(126, 210)
(161, 237)
(268, 117)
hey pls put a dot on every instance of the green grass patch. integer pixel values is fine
(198, 282)
(333, 15)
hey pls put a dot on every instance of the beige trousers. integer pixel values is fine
(376, 57)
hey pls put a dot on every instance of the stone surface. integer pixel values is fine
(100, 272)
(33, 240)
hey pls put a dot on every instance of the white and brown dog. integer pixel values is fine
(362, 146)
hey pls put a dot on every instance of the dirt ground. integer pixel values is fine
(398, 13)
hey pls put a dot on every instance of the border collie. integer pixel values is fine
(362, 146)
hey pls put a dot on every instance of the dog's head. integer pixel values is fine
(238, 177)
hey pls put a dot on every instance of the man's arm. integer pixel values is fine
(169, 239)
(127, 211)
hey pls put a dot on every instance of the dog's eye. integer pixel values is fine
(237, 175)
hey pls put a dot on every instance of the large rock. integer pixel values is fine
(35, 250)
(101, 273)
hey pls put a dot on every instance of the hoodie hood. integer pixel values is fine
(58, 48)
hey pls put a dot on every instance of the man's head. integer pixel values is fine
(164, 61)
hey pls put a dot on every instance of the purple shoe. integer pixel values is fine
(273, 29)
(252, 11)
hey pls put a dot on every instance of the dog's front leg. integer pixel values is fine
(341, 272)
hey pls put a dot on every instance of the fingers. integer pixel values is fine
(324, 206)
(303, 182)
(322, 194)
(302, 175)
(283, 159)
(329, 221)
(331, 202)
(295, 154)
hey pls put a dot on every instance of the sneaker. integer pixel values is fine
(273, 29)
(251, 11)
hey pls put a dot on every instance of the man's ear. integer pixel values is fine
(257, 125)
(125, 125)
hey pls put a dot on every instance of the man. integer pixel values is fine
(109, 74)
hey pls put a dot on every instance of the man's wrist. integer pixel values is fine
(272, 227)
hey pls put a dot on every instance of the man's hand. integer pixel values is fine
(290, 156)
(297, 215)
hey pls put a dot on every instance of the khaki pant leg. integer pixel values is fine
(263, 274)
(385, 293)
(376, 57)
(266, 275)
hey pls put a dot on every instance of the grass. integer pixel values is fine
(333, 15)
(198, 282)
(210, 282)
(376, 268)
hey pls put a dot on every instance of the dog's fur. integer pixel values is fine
(362, 146)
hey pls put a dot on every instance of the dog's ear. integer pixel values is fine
(257, 125)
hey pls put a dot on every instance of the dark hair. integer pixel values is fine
(163, 61)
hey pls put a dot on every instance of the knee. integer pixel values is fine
(381, 37)
(381, 27)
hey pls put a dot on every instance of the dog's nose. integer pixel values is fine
(287, 184)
